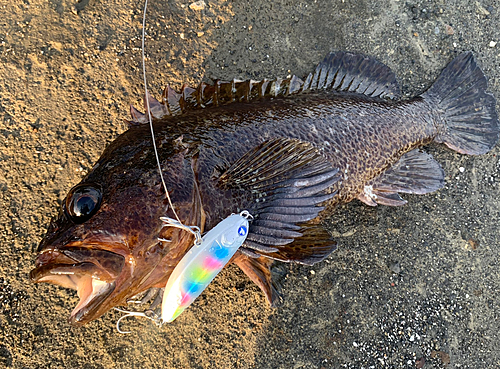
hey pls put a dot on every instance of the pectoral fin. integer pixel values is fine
(287, 180)
(416, 172)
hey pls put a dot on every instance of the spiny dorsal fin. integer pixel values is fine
(416, 172)
(158, 110)
(287, 181)
(138, 118)
(220, 93)
(339, 71)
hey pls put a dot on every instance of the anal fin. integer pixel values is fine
(416, 172)
(313, 246)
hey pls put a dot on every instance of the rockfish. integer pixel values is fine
(286, 150)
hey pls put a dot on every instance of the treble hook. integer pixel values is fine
(151, 316)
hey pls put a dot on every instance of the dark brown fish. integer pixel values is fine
(288, 151)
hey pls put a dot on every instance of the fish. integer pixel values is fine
(287, 150)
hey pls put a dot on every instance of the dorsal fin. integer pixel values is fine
(339, 71)
(348, 72)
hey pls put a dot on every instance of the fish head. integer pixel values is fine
(108, 242)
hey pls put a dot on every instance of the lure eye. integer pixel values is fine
(82, 203)
(242, 231)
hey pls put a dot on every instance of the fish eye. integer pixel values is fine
(82, 203)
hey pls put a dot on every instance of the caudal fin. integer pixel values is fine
(471, 121)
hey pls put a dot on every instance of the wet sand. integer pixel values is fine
(409, 287)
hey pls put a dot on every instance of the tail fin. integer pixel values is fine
(471, 122)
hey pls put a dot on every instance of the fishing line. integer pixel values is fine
(146, 98)
(169, 222)
(208, 256)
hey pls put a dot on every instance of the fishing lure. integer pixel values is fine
(202, 263)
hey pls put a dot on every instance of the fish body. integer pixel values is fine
(289, 151)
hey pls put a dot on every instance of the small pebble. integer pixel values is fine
(395, 268)
(481, 10)
(461, 169)
(493, 44)
(198, 5)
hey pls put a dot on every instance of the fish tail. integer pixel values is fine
(470, 120)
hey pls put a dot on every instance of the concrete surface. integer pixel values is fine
(410, 287)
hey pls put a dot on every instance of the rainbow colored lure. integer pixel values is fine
(202, 263)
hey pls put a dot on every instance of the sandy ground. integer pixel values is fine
(410, 287)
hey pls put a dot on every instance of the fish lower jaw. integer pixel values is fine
(91, 292)
(92, 272)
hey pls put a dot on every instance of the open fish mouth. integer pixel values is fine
(92, 273)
